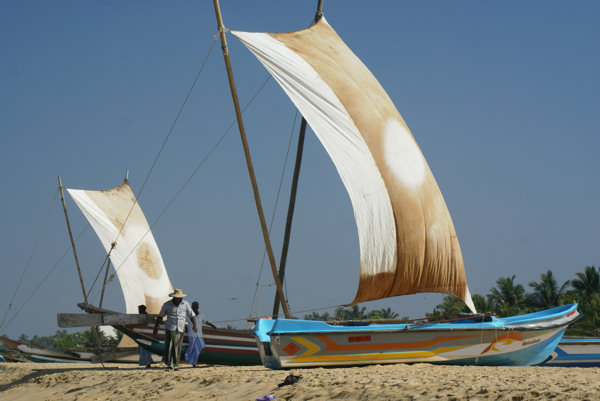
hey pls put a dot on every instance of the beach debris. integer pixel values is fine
(266, 398)
(291, 379)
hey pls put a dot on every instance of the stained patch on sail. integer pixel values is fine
(407, 239)
(136, 257)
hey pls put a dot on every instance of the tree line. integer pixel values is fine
(78, 341)
(509, 298)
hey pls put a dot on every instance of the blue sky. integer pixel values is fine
(502, 98)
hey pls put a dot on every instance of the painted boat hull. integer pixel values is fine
(575, 352)
(222, 346)
(519, 341)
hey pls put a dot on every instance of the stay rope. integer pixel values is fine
(43, 280)
(188, 180)
(254, 299)
(37, 240)
(164, 144)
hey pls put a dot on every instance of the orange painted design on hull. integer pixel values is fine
(332, 346)
(505, 338)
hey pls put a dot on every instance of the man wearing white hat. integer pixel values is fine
(176, 310)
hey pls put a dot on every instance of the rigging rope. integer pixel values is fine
(37, 240)
(187, 181)
(87, 226)
(106, 259)
(254, 299)
(164, 144)
(47, 275)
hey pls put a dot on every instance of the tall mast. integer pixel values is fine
(62, 198)
(238, 114)
(93, 329)
(290, 213)
(292, 204)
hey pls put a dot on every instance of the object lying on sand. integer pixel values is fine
(291, 379)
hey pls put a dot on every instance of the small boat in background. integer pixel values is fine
(23, 351)
(575, 352)
(123, 230)
(222, 346)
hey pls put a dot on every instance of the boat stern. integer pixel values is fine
(263, 341)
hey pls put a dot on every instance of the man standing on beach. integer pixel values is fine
(176, 310)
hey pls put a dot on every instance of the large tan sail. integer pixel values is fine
(407, 240)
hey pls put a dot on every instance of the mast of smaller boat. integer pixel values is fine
(93, 329)
(62, 198)
(238, 114)
(292, 203)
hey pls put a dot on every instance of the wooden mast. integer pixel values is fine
(62, 198)
(104, 283)
(290, 214)
(292, 203)
(93, 329)
(238, 114)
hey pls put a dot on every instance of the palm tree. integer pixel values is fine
(483, 304)
(351, 313)
(587, 294)
(588, 282)
(546, 293)
(316, 316)
(508, 297)
(383, 313)
(451, 306)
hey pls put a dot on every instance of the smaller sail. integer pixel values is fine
(117, 217)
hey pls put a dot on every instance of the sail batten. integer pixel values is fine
(406, 237)
(116, 216)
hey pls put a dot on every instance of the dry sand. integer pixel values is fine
(54, 381)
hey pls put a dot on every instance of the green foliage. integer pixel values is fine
(383, 313)
(546, 293)
(81, 340)
(315, 316)
(451, 306)
(508, 297)
(483, 304)
(350, 313)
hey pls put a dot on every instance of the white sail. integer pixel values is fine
(407, 240)
(117, 217)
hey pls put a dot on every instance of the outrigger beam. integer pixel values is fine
(108, 319)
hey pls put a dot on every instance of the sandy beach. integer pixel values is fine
(33, 381)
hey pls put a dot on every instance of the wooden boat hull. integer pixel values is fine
(575, 352)
(222, 346)
(521, 340)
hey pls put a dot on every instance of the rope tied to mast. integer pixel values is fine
(219, 32)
